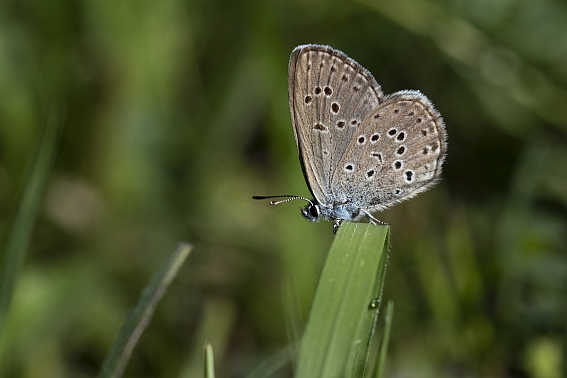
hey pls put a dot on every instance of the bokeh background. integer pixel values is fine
(176, 113)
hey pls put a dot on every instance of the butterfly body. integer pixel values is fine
(333, 212)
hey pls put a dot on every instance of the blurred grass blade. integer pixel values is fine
(140, 316)
(295, 323)
(274, 365)
(215, 327)
(342, 319)
(29, 203)
(209, 361)
(385, 340)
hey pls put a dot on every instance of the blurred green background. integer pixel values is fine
(176, 113)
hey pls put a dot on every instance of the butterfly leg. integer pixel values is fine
(336, 225)
(373, 220)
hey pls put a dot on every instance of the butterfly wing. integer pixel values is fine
(395, 154)
(329, 97)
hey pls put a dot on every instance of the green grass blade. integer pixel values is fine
(17, 242)
(209, 361)
(140, 316)
(385, 340)
(342, 319)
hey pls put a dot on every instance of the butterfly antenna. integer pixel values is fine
(287, 197)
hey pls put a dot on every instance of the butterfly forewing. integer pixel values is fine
(396, 154)
(329, 96)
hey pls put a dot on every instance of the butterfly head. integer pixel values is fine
(311, 211)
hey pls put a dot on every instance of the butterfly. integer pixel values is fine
(360, 151)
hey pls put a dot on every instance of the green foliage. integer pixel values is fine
(381, 362)
(17, 240)
(209, 361)
(341, 323)
(140, 316)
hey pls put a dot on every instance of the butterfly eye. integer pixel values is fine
(314, 211)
